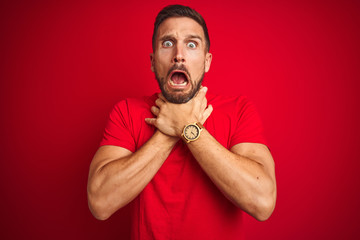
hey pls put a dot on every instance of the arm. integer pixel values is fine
(117, 175)
(245, 174)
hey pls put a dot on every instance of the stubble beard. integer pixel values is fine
(178, 98)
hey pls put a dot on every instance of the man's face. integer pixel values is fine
(180, 58)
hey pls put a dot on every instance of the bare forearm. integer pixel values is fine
(245, 174)
(114, 184)
(247, 183)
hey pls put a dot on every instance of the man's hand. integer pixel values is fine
(171, 118)
(245, 174)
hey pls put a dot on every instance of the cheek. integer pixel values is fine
(196, 58)
(162, 64)
(197, 66)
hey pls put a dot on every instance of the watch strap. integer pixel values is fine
(186, 140)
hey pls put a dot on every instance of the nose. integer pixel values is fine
(179, 56)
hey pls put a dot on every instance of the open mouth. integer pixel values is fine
(178, 79)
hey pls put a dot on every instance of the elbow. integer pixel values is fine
(95, 204)
(98, 204)
(261, 206)
(264, 208)
(102, 206)
(97, 208)
(98, 214)
(263, 214)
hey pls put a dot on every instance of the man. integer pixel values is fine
(189, 168)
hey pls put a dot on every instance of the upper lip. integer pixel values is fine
(179, 71)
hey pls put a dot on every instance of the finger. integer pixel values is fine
(151, 121)
(159, 102)
(155, 110)
(207, 113)
(202, 92)
(203, 103)
(200, 98)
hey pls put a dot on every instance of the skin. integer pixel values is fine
(245, 174)
(180, 42)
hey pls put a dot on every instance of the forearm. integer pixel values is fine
(246, 178)
(246, 182)
(115, 183)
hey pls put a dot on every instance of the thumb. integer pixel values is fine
(207, 113)
(151, 121)
(202, 92)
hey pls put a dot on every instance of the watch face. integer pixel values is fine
(191, 132)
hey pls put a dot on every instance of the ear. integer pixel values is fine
(152, 60)
(208, 59)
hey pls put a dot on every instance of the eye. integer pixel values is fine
(167, 44)
(191, 45)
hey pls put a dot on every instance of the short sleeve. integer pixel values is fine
(118, 129)
(248, 127)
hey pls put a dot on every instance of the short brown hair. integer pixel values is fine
(180, 11)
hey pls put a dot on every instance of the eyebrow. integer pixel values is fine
(194, 36)
(171, 36)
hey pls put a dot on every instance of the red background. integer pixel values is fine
(65, 63)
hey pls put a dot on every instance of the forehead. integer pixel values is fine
(180, 27)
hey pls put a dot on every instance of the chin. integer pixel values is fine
(178, 97)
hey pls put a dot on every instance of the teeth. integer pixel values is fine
(180, 84)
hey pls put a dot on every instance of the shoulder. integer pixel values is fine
(132, 109)
(239, 110)
(237, 118)
(134, 103)
(230, 103)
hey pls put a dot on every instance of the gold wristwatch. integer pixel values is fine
(192, 132)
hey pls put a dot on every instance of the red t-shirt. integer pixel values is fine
(181, 202)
